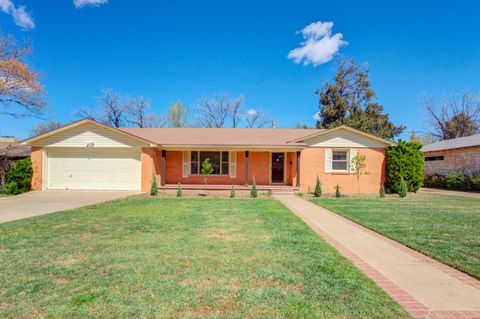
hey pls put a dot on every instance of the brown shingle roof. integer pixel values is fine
(221, 136)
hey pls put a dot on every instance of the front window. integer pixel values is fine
(218, 160)
(339, 160)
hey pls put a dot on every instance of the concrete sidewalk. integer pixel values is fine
(423, 286)
(39, 203)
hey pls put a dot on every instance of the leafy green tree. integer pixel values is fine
(19, 179)
(253, 191)
(318, 188)
(358, 168)
(404, 161)
(349, 100)
(206, 169)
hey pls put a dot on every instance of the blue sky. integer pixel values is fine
(172, 50)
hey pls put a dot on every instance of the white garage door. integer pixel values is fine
(112, 169)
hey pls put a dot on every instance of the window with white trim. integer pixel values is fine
(218, 160)
(339, 160)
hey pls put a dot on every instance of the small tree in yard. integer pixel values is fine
(253, 191)
(233, 192)
(318, 188)
(403, 188)
(337, 192)
(179, 190)
(206, 170)
(154, 186)
(358, 168)
(19, 179)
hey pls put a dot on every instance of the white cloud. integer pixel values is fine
(319, 45)
(20, 16)
(316, 116)
(251, 112)
(92, 3)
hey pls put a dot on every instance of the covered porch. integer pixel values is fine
(273, 169)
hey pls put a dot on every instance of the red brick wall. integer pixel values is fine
(37, 165)
(312, 163)
(465, 159)
(259, 167)
(151, 161)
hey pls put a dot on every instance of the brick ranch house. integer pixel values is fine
(460, 155)
(89, 155)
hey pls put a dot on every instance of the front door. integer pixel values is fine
(278, 167)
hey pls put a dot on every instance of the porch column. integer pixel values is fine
(164, 159)
(298, 169)
(246, 168)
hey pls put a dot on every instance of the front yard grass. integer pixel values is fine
(152, 258)
(446, 228)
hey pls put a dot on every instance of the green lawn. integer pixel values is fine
(446, 228)
(157, 257)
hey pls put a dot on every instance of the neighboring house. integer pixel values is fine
(460, 154)
(90, 155)
(10, 152)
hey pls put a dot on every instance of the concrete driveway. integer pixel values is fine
(40, 203)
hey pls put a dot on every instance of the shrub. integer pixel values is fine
(154, 186)
(337, 192)
(462, 182)
(435, 181)
(253, 191)
(318, 188)
(233, 192)
(403, 188)
(268, 193)
(405, 160)
(19, 179)
(179, 190)
(382, 191)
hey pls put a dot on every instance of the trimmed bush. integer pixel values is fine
(19, 179)
(405, 160)
(233, 192)
(455, 181)
(403, 188)
(154, 186)
(253, 191)
(382, 192)
(179, 190)
(337, 192)
(318, 188)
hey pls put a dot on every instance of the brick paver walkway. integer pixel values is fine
(423, 286)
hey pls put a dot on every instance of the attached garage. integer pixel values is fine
(87, 155)
(98, 169)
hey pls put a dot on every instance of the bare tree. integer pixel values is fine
(21, 93)
(257, 119)
(5, 164)
(112, 110)
(45, 127)
(456, 116)
(138, 116)
(235, 111)
(221, 111)
(213, 112)
(177, 115)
